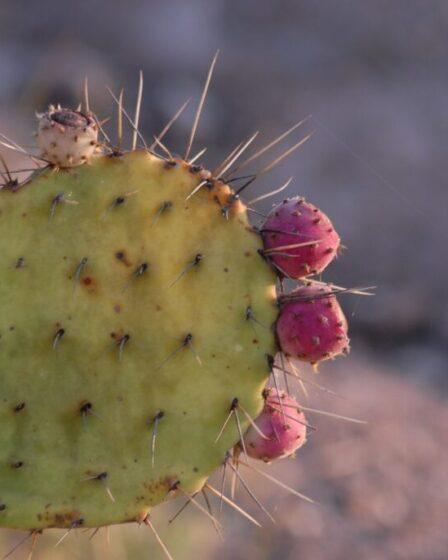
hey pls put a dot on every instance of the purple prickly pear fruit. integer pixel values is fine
(311, 325)
(281, 428)
(67, 138)
(299, 238)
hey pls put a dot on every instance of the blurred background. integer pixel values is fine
(373, 76)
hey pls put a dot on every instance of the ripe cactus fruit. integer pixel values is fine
(299, 238)
(66, 138)
(311, 325)
(280, 428)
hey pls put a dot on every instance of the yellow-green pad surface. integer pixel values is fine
(81, 404)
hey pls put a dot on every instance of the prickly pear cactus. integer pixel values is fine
(123, 304)
(144, 323)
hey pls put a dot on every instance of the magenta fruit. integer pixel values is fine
(311, 325)
(282, 424)
(299, 239)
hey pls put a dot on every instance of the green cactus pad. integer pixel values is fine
(100, 286)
